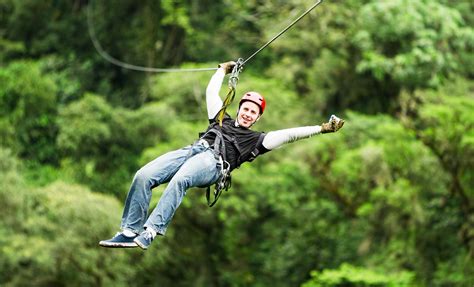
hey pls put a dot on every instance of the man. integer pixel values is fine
(209, 160)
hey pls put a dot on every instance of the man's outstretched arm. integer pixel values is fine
(275, 139)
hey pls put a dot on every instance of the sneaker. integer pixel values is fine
(144, 239)
(119, 241)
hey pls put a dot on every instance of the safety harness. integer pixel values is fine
(225, 180)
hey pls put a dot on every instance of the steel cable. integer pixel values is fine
(119, 63)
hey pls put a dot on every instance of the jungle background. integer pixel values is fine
(386, 201)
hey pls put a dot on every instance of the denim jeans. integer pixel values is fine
(192, 166)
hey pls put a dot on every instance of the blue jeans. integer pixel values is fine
(191, 166)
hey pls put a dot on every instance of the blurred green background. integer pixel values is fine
(387, 201)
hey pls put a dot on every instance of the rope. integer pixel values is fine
(233, 80)
(124, 65)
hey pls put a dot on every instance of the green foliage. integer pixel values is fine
(413, 42)
(28, 111)
(381, 174)
(447, 125)
(10, 49)
(386, 201)
(49, 236)
(184, 95)
(360, 54)
(100, 143)
(348, 275)
(71, 78)
(454, 272)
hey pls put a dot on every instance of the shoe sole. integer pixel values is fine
(139, 244)
(118, 245)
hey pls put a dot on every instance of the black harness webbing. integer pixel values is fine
(256, 151)
(224, 182)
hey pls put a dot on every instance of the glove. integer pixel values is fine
(333, 125)
(227, 66)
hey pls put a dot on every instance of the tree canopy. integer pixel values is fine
(386, 201)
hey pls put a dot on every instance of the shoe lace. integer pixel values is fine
(147, 235)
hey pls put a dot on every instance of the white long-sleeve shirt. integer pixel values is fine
(273, 139)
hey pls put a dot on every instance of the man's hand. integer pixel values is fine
(333, 125)
(227, 66)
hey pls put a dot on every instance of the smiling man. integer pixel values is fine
(249, 110)
(218, 151)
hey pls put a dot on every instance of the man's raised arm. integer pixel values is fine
(213, 101)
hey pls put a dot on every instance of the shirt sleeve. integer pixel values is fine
(275, 139)
(213, 101)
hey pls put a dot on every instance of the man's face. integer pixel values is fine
(248, 114)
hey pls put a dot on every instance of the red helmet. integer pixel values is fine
(254, 97)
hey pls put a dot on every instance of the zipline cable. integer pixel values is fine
(124, 65)
(282, 31)
(114, 61)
